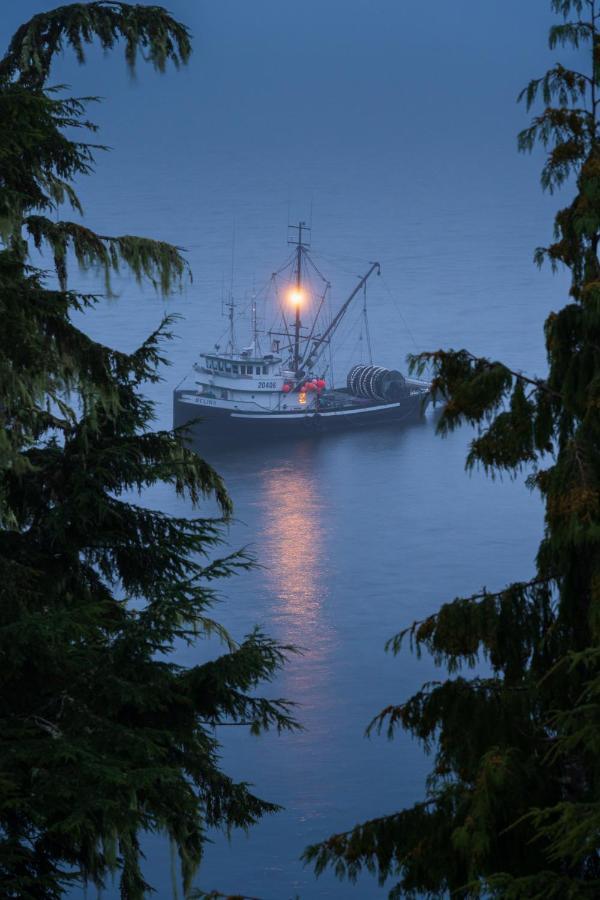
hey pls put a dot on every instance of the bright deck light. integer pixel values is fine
(296, 297)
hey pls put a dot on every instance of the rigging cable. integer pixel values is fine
(283, 318)
(315, 318)
(349, 332)
(366, 321)
(319, 273)
(399, 311)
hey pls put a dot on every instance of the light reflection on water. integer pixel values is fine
(295, 513)
(293, 551)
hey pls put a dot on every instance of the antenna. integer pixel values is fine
(230, 304)
(232, 258)
(255, 322)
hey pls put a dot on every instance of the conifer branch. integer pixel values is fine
(515, 801)
(159, 262)
(418, 362)
(538, 383)
(394, 644)
(146, 29)
(369, 823)
(544, 885)
(103, 734)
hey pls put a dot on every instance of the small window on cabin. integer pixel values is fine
(249, 370)
(243, 370)
(265, 370)
(235, 369)
(228, 367)
(220, 366)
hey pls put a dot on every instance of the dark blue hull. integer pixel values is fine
(213, 424)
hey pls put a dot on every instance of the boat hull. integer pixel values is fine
(213, 423)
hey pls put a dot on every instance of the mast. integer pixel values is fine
(230, 304)
(300, 249)
(254, 324)
(298, 287)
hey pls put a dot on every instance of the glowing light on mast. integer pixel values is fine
(296, 297)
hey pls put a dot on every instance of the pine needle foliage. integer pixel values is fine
(513, 801)
(102, 734)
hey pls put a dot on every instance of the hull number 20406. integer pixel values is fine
(267, 385)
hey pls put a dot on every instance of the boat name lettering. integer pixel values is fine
(207, 402)
(266, 384)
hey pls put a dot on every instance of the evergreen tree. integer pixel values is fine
(513, 802)
(102, 734)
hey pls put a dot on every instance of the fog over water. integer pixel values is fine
(395, 123)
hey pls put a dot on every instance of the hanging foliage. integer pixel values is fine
(103, 736)
(513, 801)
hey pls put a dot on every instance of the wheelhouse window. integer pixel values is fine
(249, 370)
(235, 369)
(220, 366)
(265, 370)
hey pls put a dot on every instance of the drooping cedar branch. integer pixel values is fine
(157, 261)
(39, 161)
(146, 30)
(422, 631)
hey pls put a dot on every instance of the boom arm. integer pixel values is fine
(327, 334)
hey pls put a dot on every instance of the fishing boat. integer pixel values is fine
(243, 393)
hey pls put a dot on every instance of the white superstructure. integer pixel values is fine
(246, 381)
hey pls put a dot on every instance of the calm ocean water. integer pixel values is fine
(404, 160)
(357, 534)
